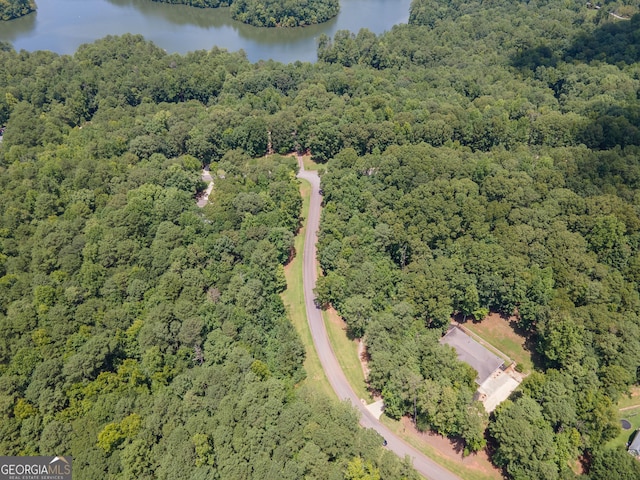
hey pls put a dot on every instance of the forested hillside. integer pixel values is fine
(10, 9)
(523, 202)
(140, 335)
(482, 157)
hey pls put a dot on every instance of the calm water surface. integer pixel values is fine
(63, 25)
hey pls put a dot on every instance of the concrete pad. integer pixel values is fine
(496, 389)
(376, 408)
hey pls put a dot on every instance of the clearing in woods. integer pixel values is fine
(501, 333)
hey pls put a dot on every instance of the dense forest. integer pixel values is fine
(522, 201)
(289, 13)
(483, 157)
(272, 13)
(140, 335)
(10, 9)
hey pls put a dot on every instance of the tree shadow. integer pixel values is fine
(632, 435)
(530, 341)
(492, 446)
(458, 445)
(292, 255)
(614, 42)
(532, 58)
(462, 319)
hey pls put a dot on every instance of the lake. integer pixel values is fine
(63, 25)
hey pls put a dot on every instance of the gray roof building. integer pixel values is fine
(634, 446)
(471, 352)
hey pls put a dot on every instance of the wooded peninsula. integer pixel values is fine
(272, 13)
(259, 13)
(10, 9)
(482, 158)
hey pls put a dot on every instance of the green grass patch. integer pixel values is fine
(293, 298)
(347, 353)
(632, 400)
(311, 165)
(454, 466)
(633, 416)
(514, 351)
(498, 333)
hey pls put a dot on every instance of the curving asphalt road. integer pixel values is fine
(423, 464)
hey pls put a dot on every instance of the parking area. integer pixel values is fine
(495, 382)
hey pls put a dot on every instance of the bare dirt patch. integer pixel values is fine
(453, 450)
(579, 466)
(336, 319)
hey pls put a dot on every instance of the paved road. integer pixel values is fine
(615, 15)
(424, 465)
(206, 177)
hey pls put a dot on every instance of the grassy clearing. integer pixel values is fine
(633, 415)
(499, 333)
(631, 400)
(311, 165)
(347, 353)
(293, 298)
(430, 451)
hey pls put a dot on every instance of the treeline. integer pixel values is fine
(572, 104)
(141, 335)
(272, 13)
(522, 203)
(199, 3)
(10, 9)
(475, 164)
